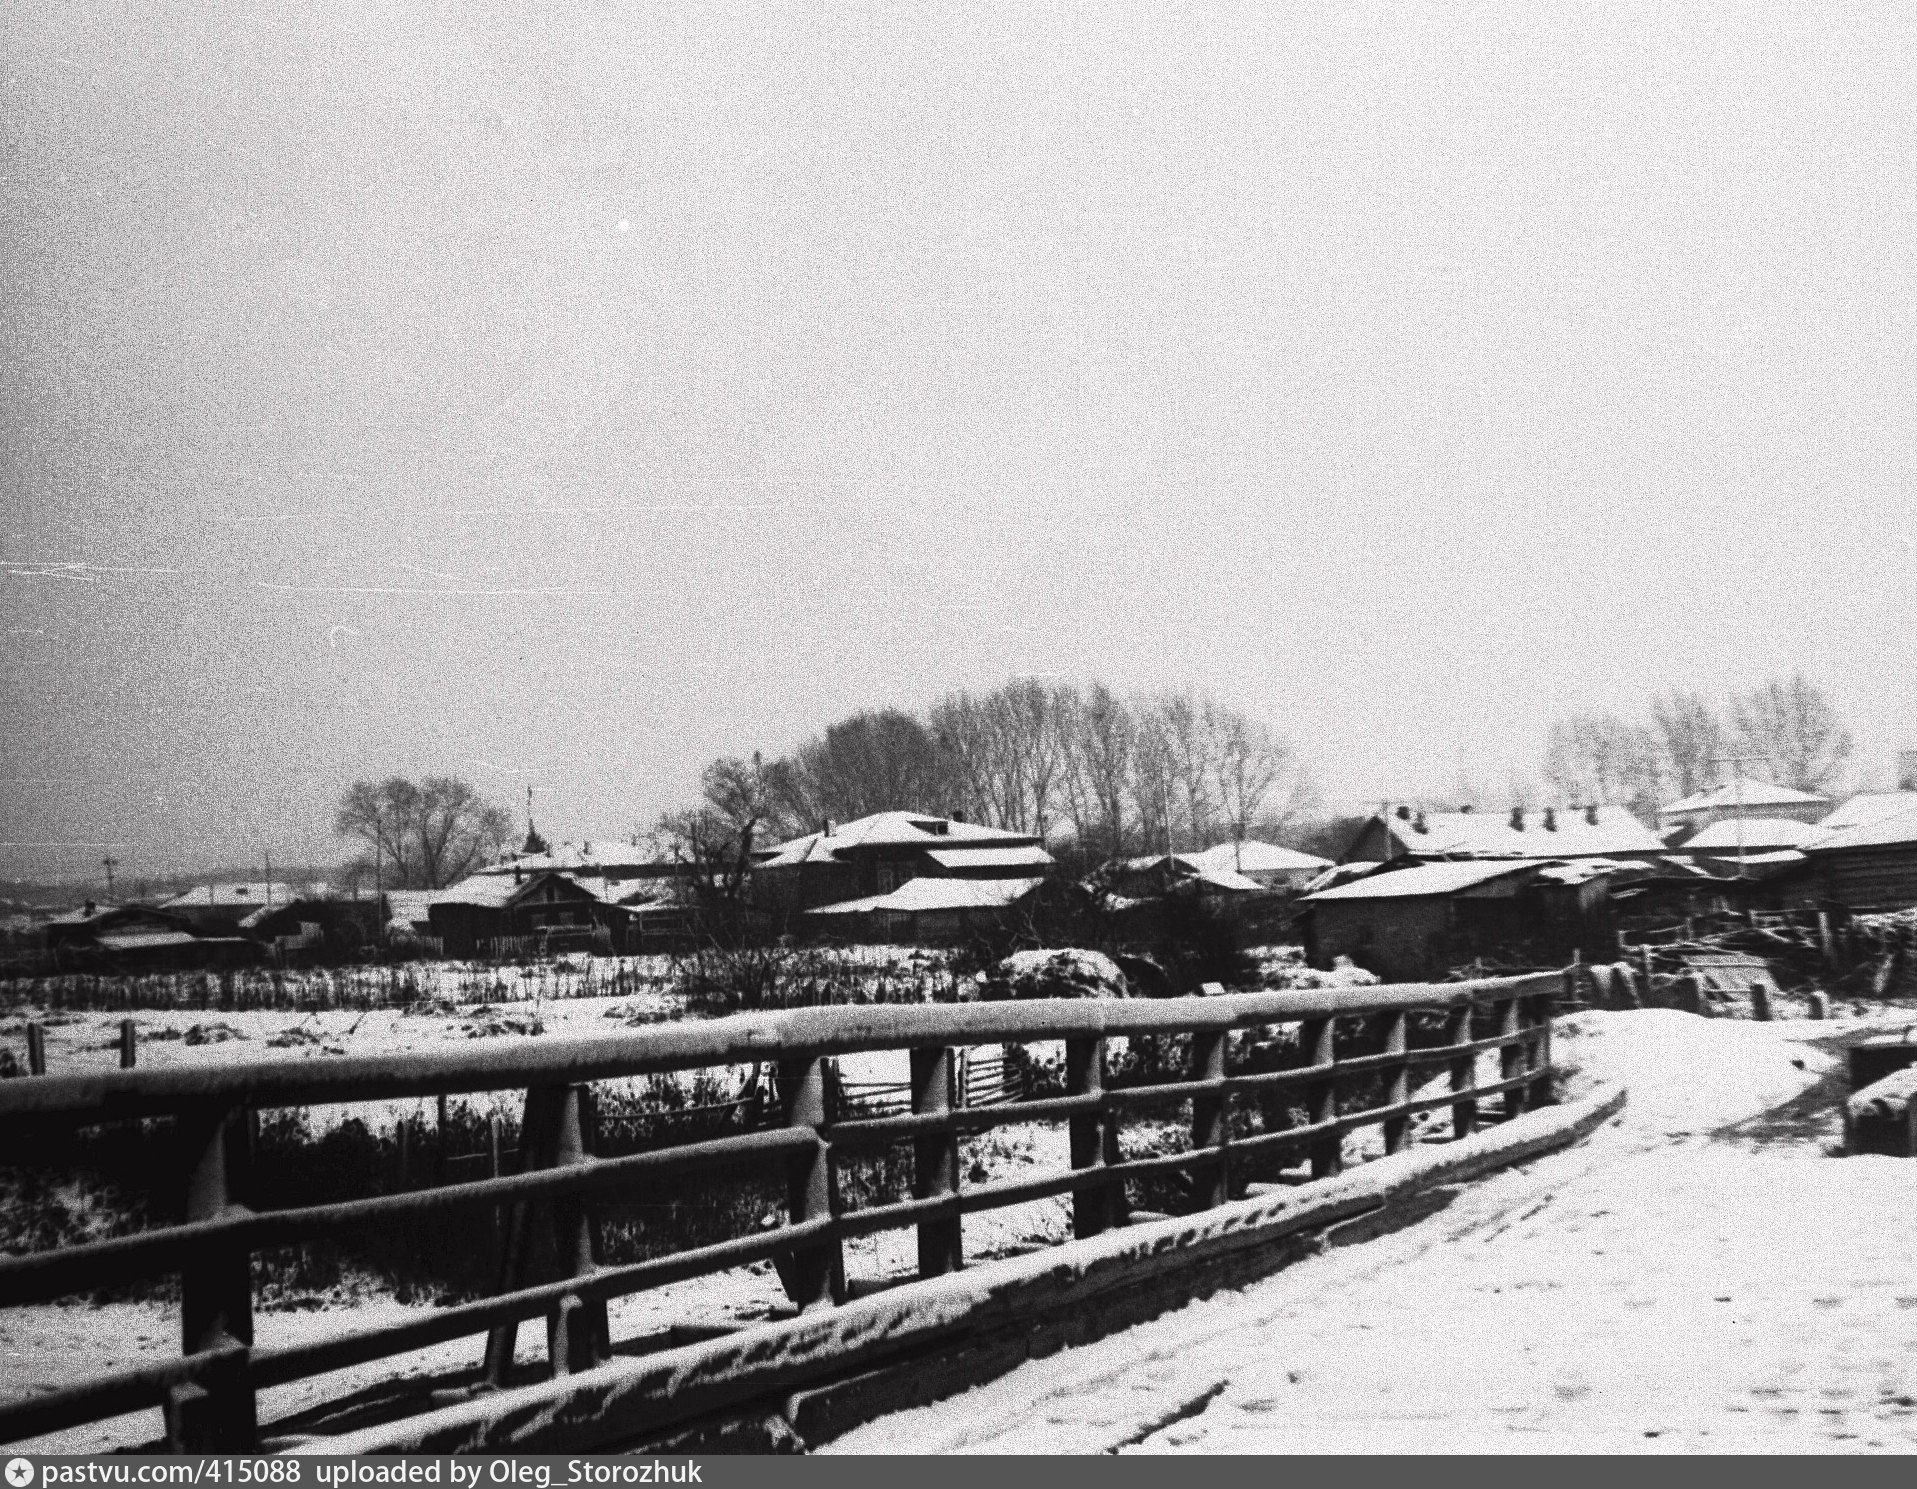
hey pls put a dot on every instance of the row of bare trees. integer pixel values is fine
(1106, 773)
(1787, 732)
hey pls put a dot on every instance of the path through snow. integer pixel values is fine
(1700, 1276)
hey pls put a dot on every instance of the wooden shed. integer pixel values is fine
(1872, 866)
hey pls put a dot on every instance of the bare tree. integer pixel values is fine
(716, 838)
(1690, 737)
(872, 762)
(429, 834)
(1793, 724)
(1102, 738)
(1258, 775)
(1599, 757)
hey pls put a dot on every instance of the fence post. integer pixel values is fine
(36, 1050)
(1320, 1037)
(1464, 1072)
(217, 1412)
(129, 1044)
(1511, 1058)
(552, 1135)
(814, 1274)
(935, 1159)
(1092, 1209)
(1543, 1011)
(1397, 1081)
(1211, 1119)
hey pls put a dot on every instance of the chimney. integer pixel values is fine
(1418, 825)
(1550, 819)
(89, 909)
(1404, 814)
(517, 879)
(1465, 808)
(959, 815)
(1590, 814)
(1517, 819)
(1907, 770)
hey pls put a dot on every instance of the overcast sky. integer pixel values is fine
(566, 395)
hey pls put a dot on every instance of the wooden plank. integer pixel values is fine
(1320, 1037)
(214, 1412)
(935, 1160)
(1398, 1083)
(1210, 1120)
(814, 1276)
(740, 1039)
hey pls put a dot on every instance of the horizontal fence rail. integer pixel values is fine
(963, 1081)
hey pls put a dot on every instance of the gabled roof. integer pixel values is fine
(1490, 835)
(1750, 793)
(497, 891)
(929, 892)
(889, 830)
(1892, 829)
(1251, 857)
(231, 896)
(1023, 855)
(1420, 881)
(1868, 806)
(1758, 833)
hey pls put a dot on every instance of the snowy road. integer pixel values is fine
(1699, 1277)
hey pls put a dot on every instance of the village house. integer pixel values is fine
(1265, 864)
(1738, 798)
(223, 906)
(927, 909)
(1553, 832)
(503, 914)
(1418, 922)
(877, 855)
(1871, 865)
(140, 937)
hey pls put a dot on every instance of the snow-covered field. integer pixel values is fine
(1700, 1277)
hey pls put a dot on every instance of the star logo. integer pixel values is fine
(19, 1473)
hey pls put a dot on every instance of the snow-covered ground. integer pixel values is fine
(1700, 1277)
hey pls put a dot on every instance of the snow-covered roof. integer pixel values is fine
(496, 891)
(929, 892)
(1489, 835)
(1582, 870)
(1868, 806)
(887, 830)
(1424, 879)
(1228, 878)
(1251, 857)
(591, 856)
(1893, 828)
(1025, 855)
(1733, 793)
(82, 915)
(231, 896)
(1757, 833)
(149, 940)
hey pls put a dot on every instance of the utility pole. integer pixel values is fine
(269, 877)
(109, 863)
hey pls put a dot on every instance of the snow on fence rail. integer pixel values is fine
(208, 1395)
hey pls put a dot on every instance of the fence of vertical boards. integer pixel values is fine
(1248, 1085)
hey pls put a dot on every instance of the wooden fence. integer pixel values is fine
(208, 1393)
